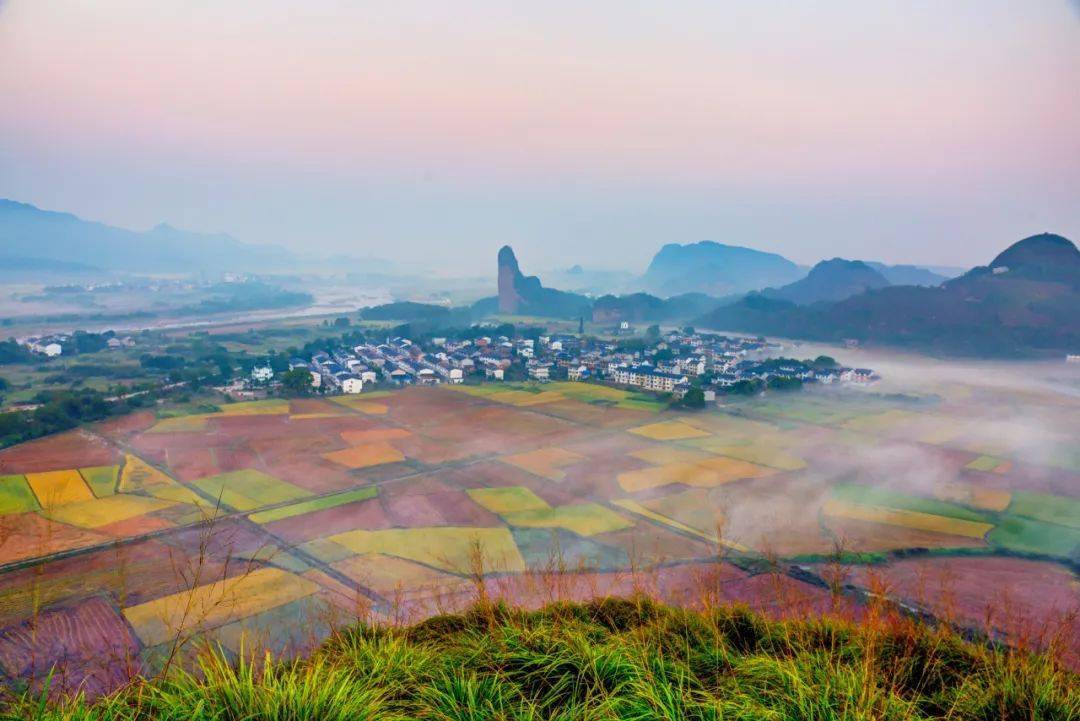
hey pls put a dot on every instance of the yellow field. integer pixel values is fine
(584, 519)
(450, 548)
(365, 455)
(270, 407)
(589, 391)
(507, 500)
(669, 431)
(731, 469)
(990, 464)
(766, 449)
(907, 519)
(396, 578)
(637, 508)
(103, 511)
(178, 494)
(215, 604)
(362, 404)
(545, 462)
(138, 475)
(735, 428)
(706, 473)
(180, 424)
(525, 399)
(477, 391)
(325, 550)
(56, 488)
(377, 434)
(987, 499)
(666, 455)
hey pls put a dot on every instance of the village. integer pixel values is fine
(669, 363)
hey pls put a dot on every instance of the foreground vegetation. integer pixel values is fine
(611, 659)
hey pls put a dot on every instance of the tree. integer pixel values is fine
(296, 382)
(652, 333)
(12, 352)
(4, 385)
(694, 398)
(784, 383)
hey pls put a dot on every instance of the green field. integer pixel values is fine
(249, 489)
(1027, 536)
(584, 519)
(315, 504)
(101, 479)
(16, 496)
(872, 496)
(1045, 507)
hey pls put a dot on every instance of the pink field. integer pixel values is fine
(1028, 601)
(73, 449)
(89, 643)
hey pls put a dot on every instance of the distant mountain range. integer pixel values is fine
(43, 241)
(31, 233)
(911, 274)
(643, 307)
(719, 270)
(716, 269)
(1027, 300)
(830, 280)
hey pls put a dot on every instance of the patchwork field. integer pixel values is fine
(274, 516)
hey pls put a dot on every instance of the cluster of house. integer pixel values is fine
(672, 364)
(679, 360)
(51, 346)
(398, 361)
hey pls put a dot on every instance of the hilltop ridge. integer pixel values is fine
(1027, 301)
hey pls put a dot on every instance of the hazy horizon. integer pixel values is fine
(577, 135)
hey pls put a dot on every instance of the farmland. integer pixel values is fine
(128, 539)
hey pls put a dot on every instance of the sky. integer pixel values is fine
(428, 131)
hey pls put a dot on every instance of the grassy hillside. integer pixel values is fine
(611, 659)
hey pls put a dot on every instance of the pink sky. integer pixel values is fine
(920, 131)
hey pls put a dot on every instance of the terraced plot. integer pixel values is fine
(16, 496)
(366, 455)
(908, 519)
(545, 462)
(215, 604)
(706, 473)
(248, 489)
(454, 549)
(56, 488)
(669, 431)
(396, 502)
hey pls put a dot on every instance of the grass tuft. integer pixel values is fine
(627, 659)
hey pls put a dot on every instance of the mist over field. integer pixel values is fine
(536, 362)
